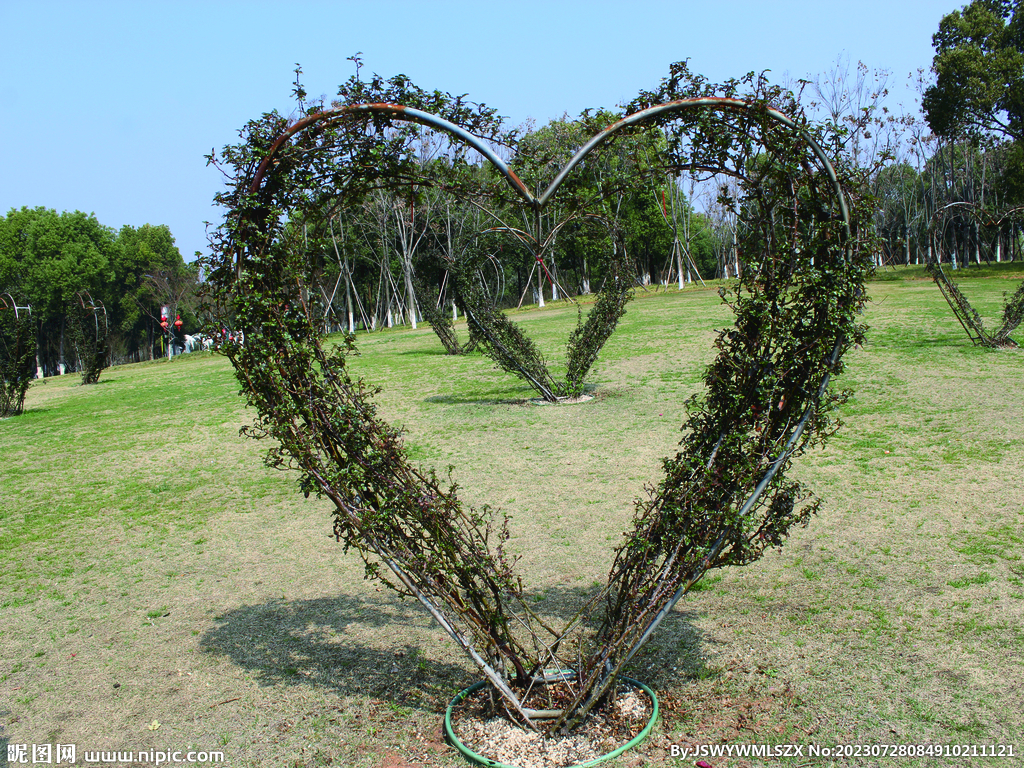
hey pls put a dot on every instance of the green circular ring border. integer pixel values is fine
(486, 761)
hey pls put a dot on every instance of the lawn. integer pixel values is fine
(161, 588)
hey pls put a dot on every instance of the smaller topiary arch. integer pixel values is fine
(88, 333)
(968, 317)
(17, 354)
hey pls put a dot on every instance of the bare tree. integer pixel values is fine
(173, 291)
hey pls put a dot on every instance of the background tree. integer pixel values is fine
(978, 94)
(134, 314)
(48, 257)
(979, 72)
(896, 187)
(176, 291)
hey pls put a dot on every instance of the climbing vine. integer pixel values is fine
(724, 498)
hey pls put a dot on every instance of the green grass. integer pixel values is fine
(989, 546)
(144, 544)
(981, 578)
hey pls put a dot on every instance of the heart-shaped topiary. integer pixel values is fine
(723, 499)
(983, 223)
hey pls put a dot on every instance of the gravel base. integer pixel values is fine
(499, 739)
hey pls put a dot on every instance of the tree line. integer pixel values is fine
(47, 259)
(941, 181)
(934, 205)
(947, 194)
(935, 178)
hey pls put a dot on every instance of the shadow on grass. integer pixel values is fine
(883, 339)
(505, 396)
(432, 352)
(29, 411)
(499, 396)
(354, 646)
(349, 645)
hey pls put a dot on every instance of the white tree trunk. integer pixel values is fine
(348, 298)
(410, 294)
(679, 264)
(60, 352)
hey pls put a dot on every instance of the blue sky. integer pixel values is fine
(109, 107)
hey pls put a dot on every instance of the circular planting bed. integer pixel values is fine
(487, 739)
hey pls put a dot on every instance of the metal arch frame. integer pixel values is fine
(715, 102)
(14, 305)
(410, 114)
(976, 213)
(94, 306)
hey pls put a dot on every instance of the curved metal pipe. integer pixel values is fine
(425, 118)
(406, 113)
(682, 105)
